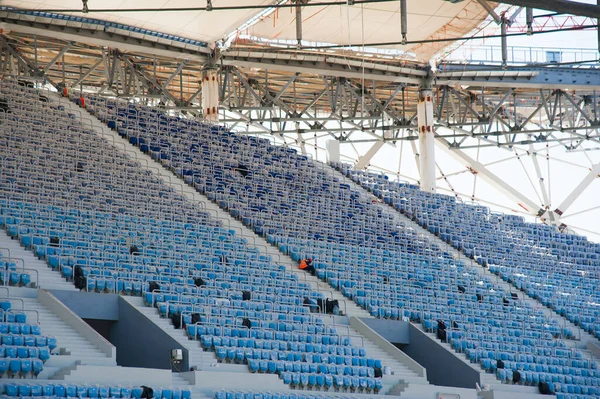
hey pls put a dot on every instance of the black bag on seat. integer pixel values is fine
(176, 319)
(153, 286)
(544, 388)
(147, 392)
(516, 376)
(133, 250)
(199, 282)
(246, 295)
(78, 278)
(195, 318)
(461, 289)
(499, 364)
(330, 304)
(479, 297)
(246, 322)
(80, 282)
(322, 305)
(54, 241)
(378, 372)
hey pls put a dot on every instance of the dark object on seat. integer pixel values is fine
(330, 305)
(79, 167)
(54, 241)
(441, 330)
(195, 318)
(479, 297)
(516, 376)
(246, 322)
(242, 170)
(461, 289)
(176, 319)
(454, 324)
(386, 280)
(223, 259)
(378, 372)
(78, 278)
(153, 286)
(499, 364)
(147, 392)
(505, 301)
(544, 388)
(199, 282)
(134, 250)
(514, 296)
(322, 305)
(246, 295)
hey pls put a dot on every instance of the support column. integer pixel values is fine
(210, 94)
(426, 140)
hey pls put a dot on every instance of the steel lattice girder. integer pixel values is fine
(501, 108)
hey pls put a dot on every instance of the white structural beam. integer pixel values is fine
(210, 95)
(426, 141)
(538, 172)
(477, 167)
(364, 160)
(587, 180)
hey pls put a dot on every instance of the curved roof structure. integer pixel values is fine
(375, 22)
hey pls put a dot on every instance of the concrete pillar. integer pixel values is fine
(333, 151)
(426, 141)
(210, 94)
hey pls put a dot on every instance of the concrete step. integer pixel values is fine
(71, 346)
(41, 274)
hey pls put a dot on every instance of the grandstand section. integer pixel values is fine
(527, 326)
(170, 229)
(106, 225)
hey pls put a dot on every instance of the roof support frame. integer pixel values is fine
(179, 68)
(87, 73)
(581, 187)
(30, 69)
(57, 57)
(530, 206)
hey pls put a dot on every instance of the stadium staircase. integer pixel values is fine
(402, 378)
(44, 277)
(72, 349)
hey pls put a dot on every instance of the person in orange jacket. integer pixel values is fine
(306, 265)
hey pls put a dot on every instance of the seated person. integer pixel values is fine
(306, 265)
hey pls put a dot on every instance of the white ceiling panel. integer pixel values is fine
(373, 23)
(198, 25)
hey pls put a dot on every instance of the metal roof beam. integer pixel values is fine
(583, 185)
(530, 206)
(35, 72)
(560, 6)
(490, 11)
(88, 73)
(175, 73)
(522, 77)
(148, 81)
(56, 58)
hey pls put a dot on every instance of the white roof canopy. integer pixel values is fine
(357, 24)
